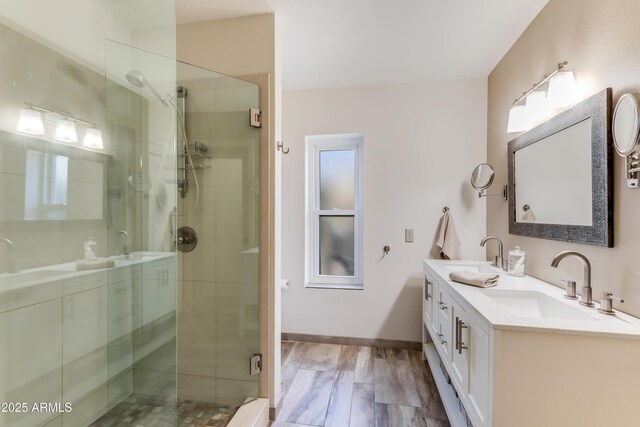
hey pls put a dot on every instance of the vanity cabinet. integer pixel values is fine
(520, 354)
(462, 343)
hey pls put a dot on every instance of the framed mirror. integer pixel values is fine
(560, 176)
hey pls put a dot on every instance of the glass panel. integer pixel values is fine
(337, 245)
(218, 293)
(85, 328)
(337, 179)
(141, 188)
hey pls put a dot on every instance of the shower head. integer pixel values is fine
(138, 79)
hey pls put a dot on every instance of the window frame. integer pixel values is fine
(314, 144)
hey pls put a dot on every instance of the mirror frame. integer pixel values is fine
(599, 109)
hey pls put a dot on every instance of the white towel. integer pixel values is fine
(479, 280)
(529, 216)
(448, 240)
(94, 264)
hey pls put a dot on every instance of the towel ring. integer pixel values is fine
(445, 209)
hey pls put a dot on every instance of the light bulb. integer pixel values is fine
(562, 90)
(536, 106)
(518, 121)
(93, 139)
(66, 131)
(30, 122)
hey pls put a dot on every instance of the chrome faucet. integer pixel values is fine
(586, 297)
(125, 246)
(499, 259)
(9, 245)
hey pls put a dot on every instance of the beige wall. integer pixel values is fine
(599, 38)
(421, 142)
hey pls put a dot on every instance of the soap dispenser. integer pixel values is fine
(88, 249)
(516, 262)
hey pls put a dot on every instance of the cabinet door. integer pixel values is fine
(478, 351)
(460, 356)
(429, 293)
(443, 329)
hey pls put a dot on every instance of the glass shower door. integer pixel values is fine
(218, 283)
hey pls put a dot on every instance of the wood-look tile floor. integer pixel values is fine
(338, 385)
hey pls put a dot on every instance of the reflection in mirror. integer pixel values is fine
(482, 176)
(553, 177)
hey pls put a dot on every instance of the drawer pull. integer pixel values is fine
(442, 305)
(442, 340)
(460, 325)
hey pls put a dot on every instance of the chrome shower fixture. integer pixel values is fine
(138, 79)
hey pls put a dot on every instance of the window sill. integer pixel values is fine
(348, 287)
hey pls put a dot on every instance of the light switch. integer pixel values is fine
(408, 235)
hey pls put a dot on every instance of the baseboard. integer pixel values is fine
(274, 411)
(365, 342)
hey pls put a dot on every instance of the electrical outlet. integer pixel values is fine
(408, 235)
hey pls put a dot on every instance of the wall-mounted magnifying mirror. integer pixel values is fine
(626, 132)
(482, 178)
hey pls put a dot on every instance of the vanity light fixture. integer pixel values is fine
(518, 120)
(536, 106)
(93, 138)
(66, 131)
(30, 121)
(562, 90)
(537, 102)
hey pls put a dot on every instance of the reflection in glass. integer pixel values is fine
(337, 245)
(58, 187)
(46, 186)
(337, 179)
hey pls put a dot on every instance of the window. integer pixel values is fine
(334, 211)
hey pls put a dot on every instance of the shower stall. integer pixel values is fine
(194, 173)
(129, 244)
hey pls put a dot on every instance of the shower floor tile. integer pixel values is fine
(150, 411)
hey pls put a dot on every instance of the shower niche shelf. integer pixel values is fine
(200, 161)
(198, 154)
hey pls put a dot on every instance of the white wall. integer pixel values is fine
(421, 143)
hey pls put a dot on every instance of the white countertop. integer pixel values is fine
(591, 322)
(34, 276)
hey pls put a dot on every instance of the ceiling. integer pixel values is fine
(337, 43)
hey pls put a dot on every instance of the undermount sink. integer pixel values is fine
(32, 276)
(534, 304)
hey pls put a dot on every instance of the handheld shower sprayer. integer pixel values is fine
(138, 79)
